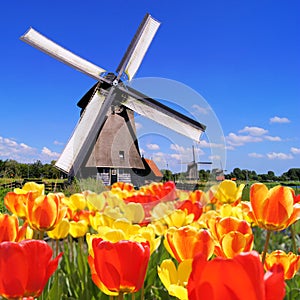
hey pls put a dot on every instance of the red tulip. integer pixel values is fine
(119, 267)
(25, 268)
(241, 277)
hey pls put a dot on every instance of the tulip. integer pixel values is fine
(185, 242)
(75, 202)
(190, 207)
(16, 203)
(25, 268)
(61, 231)
(273, 209)
(290, 262)
(231, 236)
(9, 229)
(241, 277)
(175, 280)
(78, 229)
(45, 212)
(36, 188)
(229, 192)
(121, 267)
(95, 202)
(178, 218)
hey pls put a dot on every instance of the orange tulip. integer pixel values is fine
(290, 262)
(16, 203)
(9, 229)
(45, 212)
(273, 209)
(119, 267)
(185, 242)
(231, 235)
(241, 277)
(25, 268)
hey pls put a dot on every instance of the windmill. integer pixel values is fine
(192, 167)
(104, 139)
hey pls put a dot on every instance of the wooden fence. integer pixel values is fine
(49, 187)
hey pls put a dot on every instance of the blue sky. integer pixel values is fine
(241, 57)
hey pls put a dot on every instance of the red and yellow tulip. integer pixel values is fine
(10, 229)
(231, 236)
(273, 209)
(185, 242)
(289, 261)
(120, 267)
(44, 212)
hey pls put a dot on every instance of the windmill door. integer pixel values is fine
(113, 176)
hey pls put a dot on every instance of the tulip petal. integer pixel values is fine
(13, 269)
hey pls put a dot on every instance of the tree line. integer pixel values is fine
(13, 169)
(292, 174)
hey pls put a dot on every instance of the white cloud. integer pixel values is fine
(279, 120)
(273, 138)
(255, 155)
(46, 151)
(153, 146)
(10, 149)
(177, 148)
(176, 156)
(256, 131)
(295, 150)
(239, 140)
(279, 155)
(201, 110)
(58, 143)
(23, 153)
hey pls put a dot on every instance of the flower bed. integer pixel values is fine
(157, 242)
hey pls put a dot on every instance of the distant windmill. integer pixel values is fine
(105, 136)
(192, 167)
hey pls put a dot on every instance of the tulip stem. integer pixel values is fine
(41, 235)
(121, 296)
(266, 246)
(143, 293)
(56, 247)
(293, 236)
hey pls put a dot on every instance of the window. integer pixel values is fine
(121, 155)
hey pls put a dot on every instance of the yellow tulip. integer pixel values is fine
(78, 229)
(229, 192)
(75, 202)
(175, 280)
(36, 188)
(61, 231)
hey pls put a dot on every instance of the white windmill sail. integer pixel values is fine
(39, 41)
(165, 118)
(84, 135)
(138, 46)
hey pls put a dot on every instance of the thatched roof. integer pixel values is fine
(116, 145)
